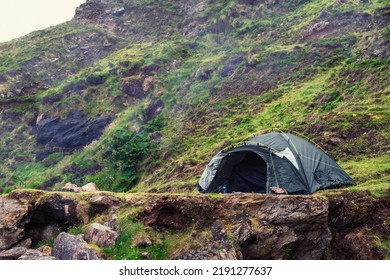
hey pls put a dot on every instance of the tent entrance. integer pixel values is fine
(249, 173)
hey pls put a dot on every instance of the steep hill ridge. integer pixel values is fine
(138, 95)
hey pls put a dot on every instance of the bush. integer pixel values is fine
(123, 154)
(126, 149)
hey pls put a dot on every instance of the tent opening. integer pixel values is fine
(249, 173)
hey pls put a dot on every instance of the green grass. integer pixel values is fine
(128, 230)
(76, 229)
(29, 175)
(371, 174)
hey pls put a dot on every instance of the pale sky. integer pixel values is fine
(20, 17)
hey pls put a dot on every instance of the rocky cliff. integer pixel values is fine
(340, 225)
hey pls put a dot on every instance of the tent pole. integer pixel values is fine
(273, 167)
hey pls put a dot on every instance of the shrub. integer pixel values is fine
(124, 152)
(126, 149)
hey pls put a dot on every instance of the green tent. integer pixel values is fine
(273, 161)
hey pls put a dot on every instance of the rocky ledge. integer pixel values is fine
(339, 225)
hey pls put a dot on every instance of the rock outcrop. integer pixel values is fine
(90, 187)
(13, 254)
(13, 217)
(340, 225)
(72, 133)
(261, 226)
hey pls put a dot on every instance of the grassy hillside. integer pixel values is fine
(181, 80)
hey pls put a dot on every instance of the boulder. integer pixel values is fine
(69, 187)
(101, 235)
(12, 254)
(90, 187)
(13, 217)
(72, 247)
(101, 200)
(34, 254)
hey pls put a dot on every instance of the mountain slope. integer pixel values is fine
(140, 94)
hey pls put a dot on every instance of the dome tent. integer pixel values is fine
(275, 159)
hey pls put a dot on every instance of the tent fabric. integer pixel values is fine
(273, 160)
